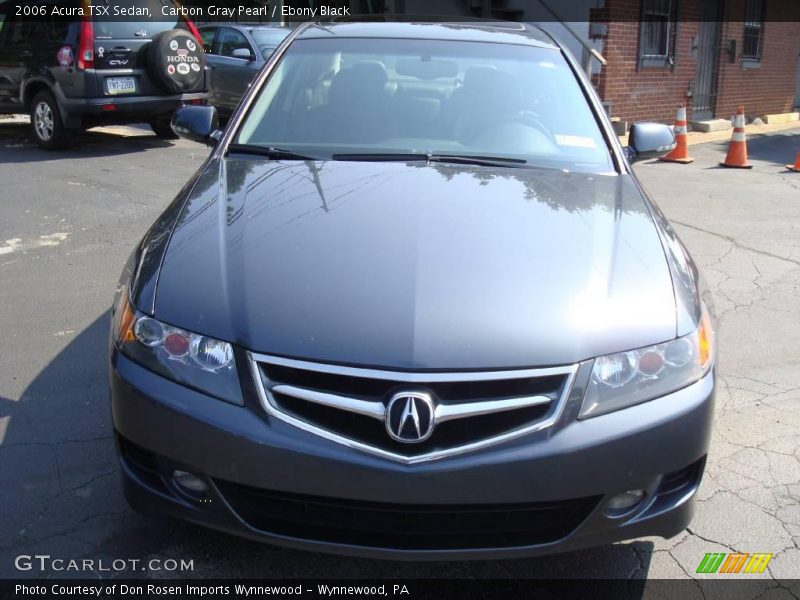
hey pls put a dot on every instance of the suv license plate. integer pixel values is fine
(121, 85)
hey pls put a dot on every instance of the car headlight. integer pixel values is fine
(195, 360)
(628, 378)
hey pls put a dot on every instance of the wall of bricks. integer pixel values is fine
(771, 87)
(653, 93)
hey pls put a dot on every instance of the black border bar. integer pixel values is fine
(728, 587)
(538, 11)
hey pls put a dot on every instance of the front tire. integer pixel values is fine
(163, 129)
(46, 125)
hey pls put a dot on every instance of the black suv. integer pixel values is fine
(76, 72)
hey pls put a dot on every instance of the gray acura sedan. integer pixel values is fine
(415, 305)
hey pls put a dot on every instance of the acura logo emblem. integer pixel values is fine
(409, 417)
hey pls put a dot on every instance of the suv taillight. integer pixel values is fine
(86, 45)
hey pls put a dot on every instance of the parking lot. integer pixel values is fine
(69, 220)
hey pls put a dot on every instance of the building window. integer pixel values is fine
(753, 41)
(657, 33)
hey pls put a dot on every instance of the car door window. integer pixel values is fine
(230, 40)
(207, 35)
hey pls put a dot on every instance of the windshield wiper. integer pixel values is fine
(465, 159)
(382, 156)
(269, 152)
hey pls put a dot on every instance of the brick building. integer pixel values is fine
(712, 54)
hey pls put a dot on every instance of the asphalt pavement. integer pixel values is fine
(69, 220)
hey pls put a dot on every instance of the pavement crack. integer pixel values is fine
(641, 568)
(735, 242)
(690, 576)
(49, 502)
(708, 540)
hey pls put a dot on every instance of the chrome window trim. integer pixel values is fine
(407, 377)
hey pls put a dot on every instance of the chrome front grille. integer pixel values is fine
(470, 410)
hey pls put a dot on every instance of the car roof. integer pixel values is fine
(498, 32)
(288, 30)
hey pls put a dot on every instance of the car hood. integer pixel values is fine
(415, 265)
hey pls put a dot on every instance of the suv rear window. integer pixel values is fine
(120, 29)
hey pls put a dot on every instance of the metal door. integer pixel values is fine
(707, 52)
(797, 84)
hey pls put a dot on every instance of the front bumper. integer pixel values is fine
(659, 447)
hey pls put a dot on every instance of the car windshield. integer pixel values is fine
(359, 97)
(268, 39)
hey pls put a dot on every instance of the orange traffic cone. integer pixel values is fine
(681, 152)
(796, 166)
(737, 150)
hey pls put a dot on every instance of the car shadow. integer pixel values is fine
(61, 493)
(17, 145)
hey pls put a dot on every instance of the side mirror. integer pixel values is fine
(196, 123)
(649, 140)
(242, 53)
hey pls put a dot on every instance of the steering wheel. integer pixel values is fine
(524, 129)
(529, 117)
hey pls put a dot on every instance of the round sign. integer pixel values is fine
(65, 56)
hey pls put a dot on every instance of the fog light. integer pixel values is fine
(624, 501)
(189, 482)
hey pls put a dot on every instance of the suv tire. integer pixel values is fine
(46, 126)
(163, 129)
(176, 62)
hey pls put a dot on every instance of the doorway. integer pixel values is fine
(707, 45)
(797, 84)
